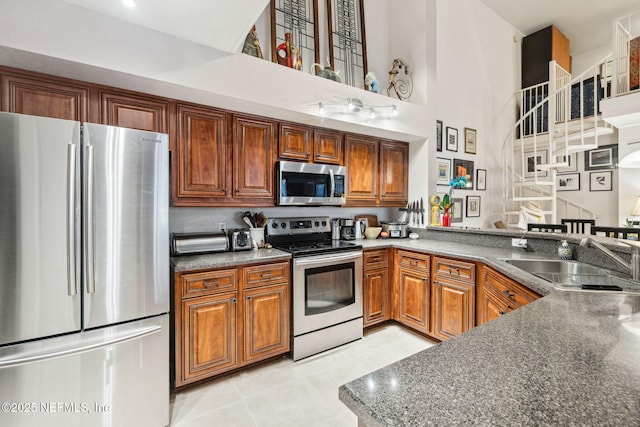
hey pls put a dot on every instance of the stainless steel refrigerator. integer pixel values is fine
(84, 274)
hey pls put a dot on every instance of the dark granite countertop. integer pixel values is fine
(569, 358)
(226, 259)
(566, 359)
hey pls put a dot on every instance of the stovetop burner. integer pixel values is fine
(304, 236)
(317, 247)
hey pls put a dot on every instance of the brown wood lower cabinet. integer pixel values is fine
(453, 297)
(214, 333)
(498, 295)
(412, 290)
(376, 292)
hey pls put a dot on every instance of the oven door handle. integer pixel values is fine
(325, 258)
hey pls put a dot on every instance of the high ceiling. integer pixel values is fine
(587, 23)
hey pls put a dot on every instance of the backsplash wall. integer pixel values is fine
(186, 220)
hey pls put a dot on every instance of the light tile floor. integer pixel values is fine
(287, 393)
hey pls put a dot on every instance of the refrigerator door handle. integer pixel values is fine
(88, 222)
(17, 360)
(71, 220)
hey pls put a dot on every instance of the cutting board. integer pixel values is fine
(372, 220)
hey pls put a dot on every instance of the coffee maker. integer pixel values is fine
(347, 229)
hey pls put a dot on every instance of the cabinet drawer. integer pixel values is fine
(458, 270)
(209, 282)
(511, 291)
(413, 260)
(375, 259)
(266, 274)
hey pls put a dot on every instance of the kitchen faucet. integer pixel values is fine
(633, 267)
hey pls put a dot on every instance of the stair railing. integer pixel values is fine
(531, 125)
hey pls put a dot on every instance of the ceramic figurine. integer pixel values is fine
(371, 82)
(252, 44)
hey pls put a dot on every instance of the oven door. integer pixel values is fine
(327, 290)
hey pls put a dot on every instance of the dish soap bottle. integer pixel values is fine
(564, 250)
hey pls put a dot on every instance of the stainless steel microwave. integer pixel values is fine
(311, 184)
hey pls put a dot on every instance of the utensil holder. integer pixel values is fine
(257, 235)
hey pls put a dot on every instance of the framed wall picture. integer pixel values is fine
(456, 209)
(568, 182)
(438, 135)
(531, 162)
(452, 139)
(600, 181)
(347, 40)
(572, 161)
(605, 157)
(464, 168)
(470, 136)
(444, 171)
(481, 179)
(473, 206)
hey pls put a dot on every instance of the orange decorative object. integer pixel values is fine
(288, 53)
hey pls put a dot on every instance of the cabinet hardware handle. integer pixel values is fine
(248, 298)
(502, 312)
(509, 294)
(212, 283)
(224, 190)
(237, 190)
(377, 259)
(266, 275)
(368, 275)
(234, 300)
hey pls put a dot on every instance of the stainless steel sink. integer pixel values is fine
(572, 275)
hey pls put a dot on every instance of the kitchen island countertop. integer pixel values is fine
(569, 358)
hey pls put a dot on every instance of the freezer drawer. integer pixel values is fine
(115, 376)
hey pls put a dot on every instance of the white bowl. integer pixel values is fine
(372, 232)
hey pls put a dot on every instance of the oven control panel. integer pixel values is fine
(298, 225)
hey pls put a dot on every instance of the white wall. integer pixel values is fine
(629, 190)
(478, 67)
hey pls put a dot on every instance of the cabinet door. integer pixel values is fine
(266, 322)
(453, 307)
(413, 299)
(328, 147)
(376, 296)
(253, 159)
(134, 111)
(491, 307)
(362, 170)
(394, 173)
(44, 97)
(209, 336)
(201, 157)
(294, 142)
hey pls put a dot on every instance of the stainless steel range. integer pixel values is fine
(327, 283)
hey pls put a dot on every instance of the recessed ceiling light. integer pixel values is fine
(129, 3)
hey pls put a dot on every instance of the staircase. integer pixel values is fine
(558, 118)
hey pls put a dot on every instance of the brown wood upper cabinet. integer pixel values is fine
(295, 142)
(43, 96)
(299, 142)
(135, 111)
(201, 160)
(377, 172)
(254, 155)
